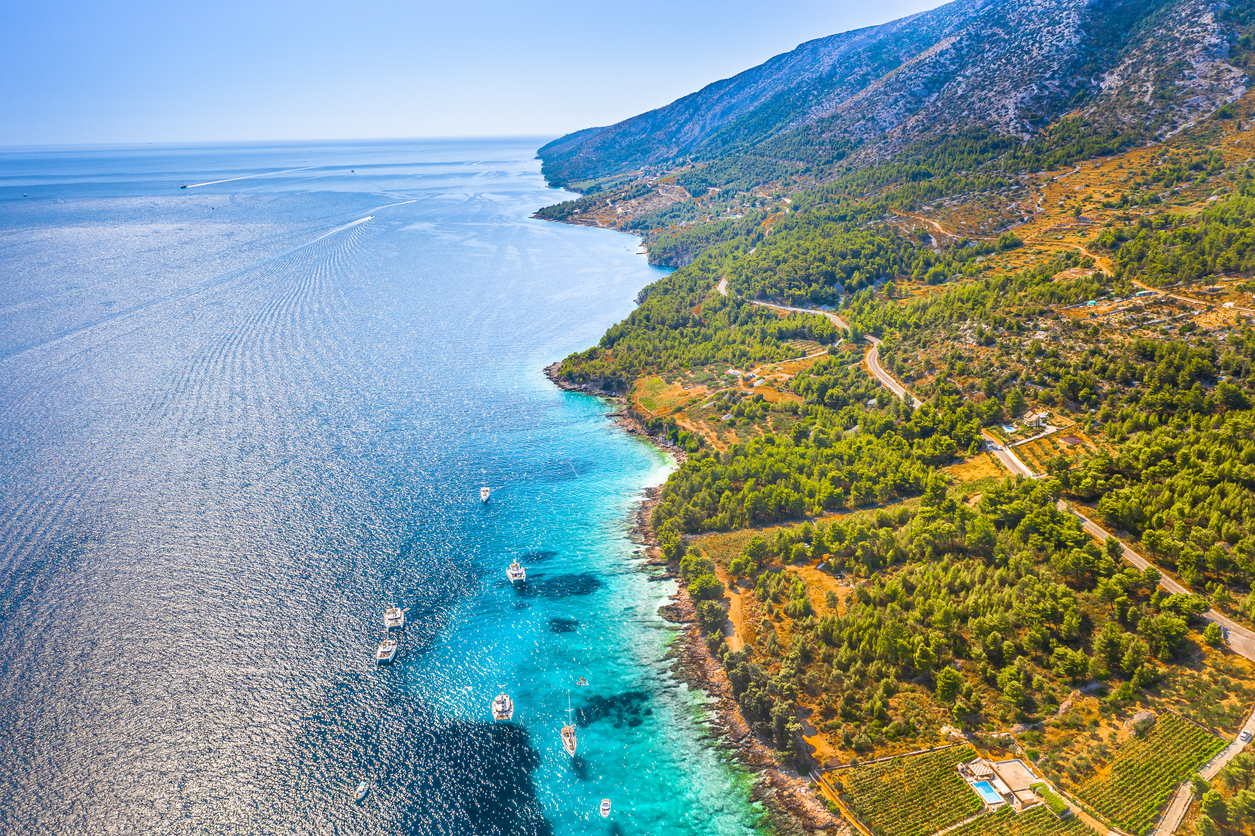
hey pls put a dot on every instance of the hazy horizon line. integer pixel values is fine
(255, 142)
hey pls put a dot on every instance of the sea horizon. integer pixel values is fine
(243, 417)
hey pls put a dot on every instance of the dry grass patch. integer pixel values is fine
(657, 397)
(982, 466)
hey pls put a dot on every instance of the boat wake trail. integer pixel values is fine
(250, 177)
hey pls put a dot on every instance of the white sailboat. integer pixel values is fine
(362, 789)
(483, 494)
(568, 731)
(516, 573)
(502, 708)
(394, 618)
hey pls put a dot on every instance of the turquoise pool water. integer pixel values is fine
(987, 792)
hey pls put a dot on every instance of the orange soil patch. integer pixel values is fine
(980, 466)
(819, 584)
(821, 744)
(703, 431)
(791, 368)
(772, 395)
(742, 630)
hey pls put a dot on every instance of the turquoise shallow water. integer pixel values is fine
(238, 419)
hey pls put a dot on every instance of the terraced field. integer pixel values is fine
(1147, 770)
(1037, 821)
(910, 796)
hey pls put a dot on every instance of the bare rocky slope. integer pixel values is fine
(1149, 67)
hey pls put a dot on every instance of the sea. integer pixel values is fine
(249, 394)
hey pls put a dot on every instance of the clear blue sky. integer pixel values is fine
(171, 71)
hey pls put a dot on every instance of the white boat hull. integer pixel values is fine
(502, 711)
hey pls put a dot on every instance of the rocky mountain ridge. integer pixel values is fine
(1150, 67)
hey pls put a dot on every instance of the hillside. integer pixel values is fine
(967, 403)
(1142, 67)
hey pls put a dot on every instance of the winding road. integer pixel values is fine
(889, 381)
(872, 357)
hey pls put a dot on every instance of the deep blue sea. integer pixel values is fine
(239, 419)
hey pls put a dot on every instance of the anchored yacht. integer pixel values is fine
(605, 808)
(516, 573)
(568, 731)
(387, 650)
(362, 789)
(502, 708)
(483, 494)
(394, 618)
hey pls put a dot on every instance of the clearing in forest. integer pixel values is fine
(910, 796)
(1147, 770)
(658, 397)
(980, 466)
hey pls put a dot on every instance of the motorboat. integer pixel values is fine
(516, 573)
(502, 708)
(362, 789)
(483, 494)
(605, 808)
(387, 650)
(568, 731)
(394, 618)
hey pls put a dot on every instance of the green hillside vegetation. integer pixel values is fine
(1170, 248)
(1186, 489)
(882, 583)
(984, 616)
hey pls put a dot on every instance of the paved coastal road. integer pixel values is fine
(1008, 458)
(838, 321)
(872, 357)
(1239, 638)
(878, 372)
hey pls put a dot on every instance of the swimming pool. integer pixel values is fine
(988, 793)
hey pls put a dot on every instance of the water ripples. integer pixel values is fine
(209, 495)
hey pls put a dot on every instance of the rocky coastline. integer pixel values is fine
(792, 801)
(793, 805)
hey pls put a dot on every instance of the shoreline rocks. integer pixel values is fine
(792, 803)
